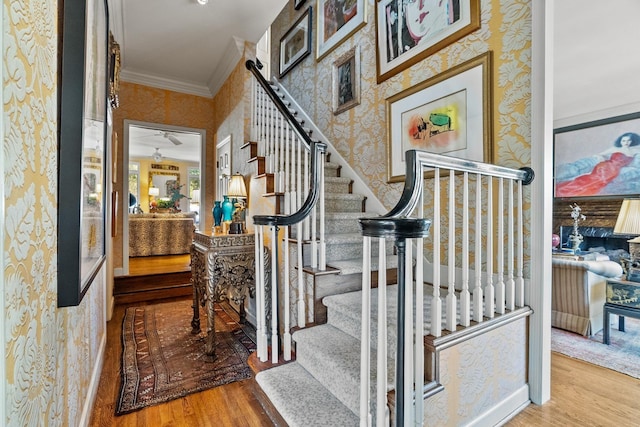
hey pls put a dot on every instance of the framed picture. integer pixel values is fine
(337, 21)
(599, 158)
(297, 4)
(81, 159)
(409, 31)
(296, 43)
(448, 114)
(346, 81)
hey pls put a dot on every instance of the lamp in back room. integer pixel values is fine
(237, 190)
(628, 222)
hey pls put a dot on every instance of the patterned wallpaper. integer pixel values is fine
(359, 134)
(50, 352)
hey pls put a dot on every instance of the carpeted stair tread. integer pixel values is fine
(333, 358)
(302, 400)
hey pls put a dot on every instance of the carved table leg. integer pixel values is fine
(243, 313)
(210, 342)
(195, 280)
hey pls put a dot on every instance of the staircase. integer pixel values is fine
(343, 372)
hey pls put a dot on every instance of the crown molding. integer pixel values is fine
(232, 54)
(165, 83)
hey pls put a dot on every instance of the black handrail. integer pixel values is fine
(317, 148)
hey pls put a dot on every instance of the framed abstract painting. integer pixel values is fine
(448, 114)
(598, 159)
(346, 80)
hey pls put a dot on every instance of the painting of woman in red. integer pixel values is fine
(609, 166)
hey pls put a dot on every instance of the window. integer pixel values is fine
(134, 185)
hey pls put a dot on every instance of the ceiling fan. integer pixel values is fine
(171, 137)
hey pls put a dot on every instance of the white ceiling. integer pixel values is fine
(173, 144)
(596, 59)
(185, 46)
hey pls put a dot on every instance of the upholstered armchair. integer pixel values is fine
(578, 293)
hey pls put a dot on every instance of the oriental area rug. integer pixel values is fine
(162, 360)
(622, 355)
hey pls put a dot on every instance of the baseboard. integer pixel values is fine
(111, 304)
(503, 411)
(87, 409)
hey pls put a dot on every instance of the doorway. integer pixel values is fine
(164, 176)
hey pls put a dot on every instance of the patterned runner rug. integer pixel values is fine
(162, 360)
(623, 355)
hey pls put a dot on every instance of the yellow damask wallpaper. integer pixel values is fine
(51, 353)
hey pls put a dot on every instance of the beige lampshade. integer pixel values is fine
(237, 188)
(154, 191)
(629, 217)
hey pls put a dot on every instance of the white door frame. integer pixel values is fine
(125, 179)
(539, 289)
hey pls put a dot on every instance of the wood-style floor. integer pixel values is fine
(143, 265)
(582, 394)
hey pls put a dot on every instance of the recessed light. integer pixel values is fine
(202, 2)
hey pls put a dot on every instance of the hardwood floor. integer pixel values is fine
(582, 395)
(143, 265)
(231, 405)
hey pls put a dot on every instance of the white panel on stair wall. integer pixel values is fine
(483, 379)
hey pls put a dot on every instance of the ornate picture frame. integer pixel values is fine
(346, 80)
(82, 157)
(448, 114)
(408, 32)
(295, 45)
(598, 159)
(337, 21)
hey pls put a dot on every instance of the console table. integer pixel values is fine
(222, 267)
(623, 299)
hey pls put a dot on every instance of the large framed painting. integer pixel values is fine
(81, 154)
(337, 21)
(598, 159)
(295, 45)
(448, 114)
(409, 31)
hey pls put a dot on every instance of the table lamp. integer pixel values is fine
(237, 190)
(628, 222)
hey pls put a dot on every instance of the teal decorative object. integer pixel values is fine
(227, 209)
(217, 213)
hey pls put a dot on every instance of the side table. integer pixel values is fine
(222, 266)
(623, 299)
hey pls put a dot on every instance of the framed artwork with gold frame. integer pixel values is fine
(409, 31)
(448, 114)
(337, 21)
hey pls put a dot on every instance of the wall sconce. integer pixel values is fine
(237, 190)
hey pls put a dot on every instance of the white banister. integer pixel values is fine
(465, 304)
(489, 290)
(451, 301)
(436, 303)
(500, 287)
(365, 350)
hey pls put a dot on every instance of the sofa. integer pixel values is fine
(578, 293)
(160, 233)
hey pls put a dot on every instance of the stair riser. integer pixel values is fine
(339, 205)
(337, 187)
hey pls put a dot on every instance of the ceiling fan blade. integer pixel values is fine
(173, 139)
